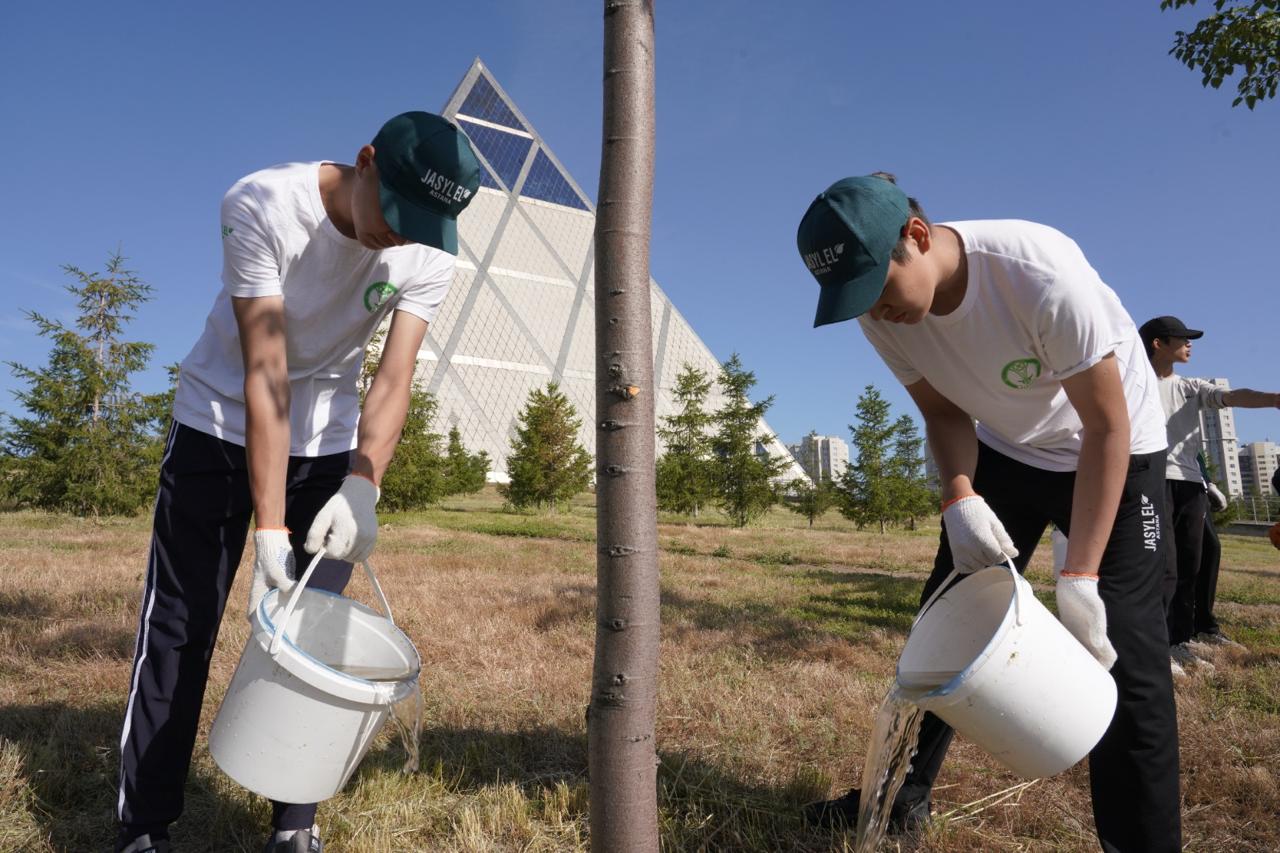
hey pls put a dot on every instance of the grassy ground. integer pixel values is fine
(779, 643)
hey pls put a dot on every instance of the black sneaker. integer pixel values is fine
(303, 841)
(842, 813)
(1216, 638)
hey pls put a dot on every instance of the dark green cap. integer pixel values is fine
(845, 239)
(428, 175)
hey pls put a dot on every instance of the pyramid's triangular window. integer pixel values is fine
(505, 152)
(547, 184)
(484, 103)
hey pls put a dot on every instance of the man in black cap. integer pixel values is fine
(1189, 590)
(267, 424)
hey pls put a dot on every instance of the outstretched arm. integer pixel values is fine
(1247, 398)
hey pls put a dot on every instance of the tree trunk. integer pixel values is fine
(620, 729)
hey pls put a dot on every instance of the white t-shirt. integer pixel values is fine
(1182, 398)
(1034, 313)
(277, 240)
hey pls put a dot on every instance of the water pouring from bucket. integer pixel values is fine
(318, 678)
(993, 663)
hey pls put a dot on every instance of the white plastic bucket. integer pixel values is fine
(994, 663)
(293, 726)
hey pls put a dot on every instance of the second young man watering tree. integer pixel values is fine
(1006, 323)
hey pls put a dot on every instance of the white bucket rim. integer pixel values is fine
(316, 672)
(964, 678)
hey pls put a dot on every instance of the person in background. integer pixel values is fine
(1168, 343)
(267, 426)
(1274, 532)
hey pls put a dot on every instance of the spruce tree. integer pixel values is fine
(686, 475)
(464, 472)
(87, 442)
(912, 496)
(866, 487)
(744, 478)
(546, 465)
(809, 499)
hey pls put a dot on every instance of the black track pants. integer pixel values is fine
(1188, 505)
(202, 517)
(1133, 770)
(1207, 581)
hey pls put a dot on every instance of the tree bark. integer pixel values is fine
(620, 729)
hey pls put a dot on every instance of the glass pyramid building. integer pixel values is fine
(520, 312)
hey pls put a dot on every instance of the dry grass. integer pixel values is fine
(779, 643)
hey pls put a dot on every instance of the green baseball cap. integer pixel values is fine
(845, 239)
(428, 174)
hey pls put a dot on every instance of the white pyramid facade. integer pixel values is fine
(521, 311)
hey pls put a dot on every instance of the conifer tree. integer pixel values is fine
(866, 487)
(86, 443)
(811, 500)
(744, 477)
(546, 465)
(912, 497)
(686, 474)
(464, 472)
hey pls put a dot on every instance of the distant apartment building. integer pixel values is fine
(1221, 447)
(1258, 463)
(821, 456)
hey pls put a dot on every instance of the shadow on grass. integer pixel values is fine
(847, 607)
(701, 807)
(70, 761)
(22, 605)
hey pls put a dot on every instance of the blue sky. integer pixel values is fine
(125, 123)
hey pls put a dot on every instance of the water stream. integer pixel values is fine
(406, 715)
(889, 754)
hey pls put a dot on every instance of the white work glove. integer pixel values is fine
(273, 565)
(347, 526)
(977, 537)
(1081, 611)
(1217, 500)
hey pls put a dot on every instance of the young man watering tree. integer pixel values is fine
(267, 424)
(1006, 323)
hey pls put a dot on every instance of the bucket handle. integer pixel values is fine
(1018, 592)
(277, 638)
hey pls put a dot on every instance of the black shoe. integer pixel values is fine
(1216, 638)
(842, 812)
(303, 841)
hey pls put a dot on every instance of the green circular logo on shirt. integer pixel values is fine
(378, 293)
(1020, 373)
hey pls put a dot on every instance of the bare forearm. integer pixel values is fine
(955, 450)
(266, 396)
(381, 422)
(1104, 463)
(1247, 398)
